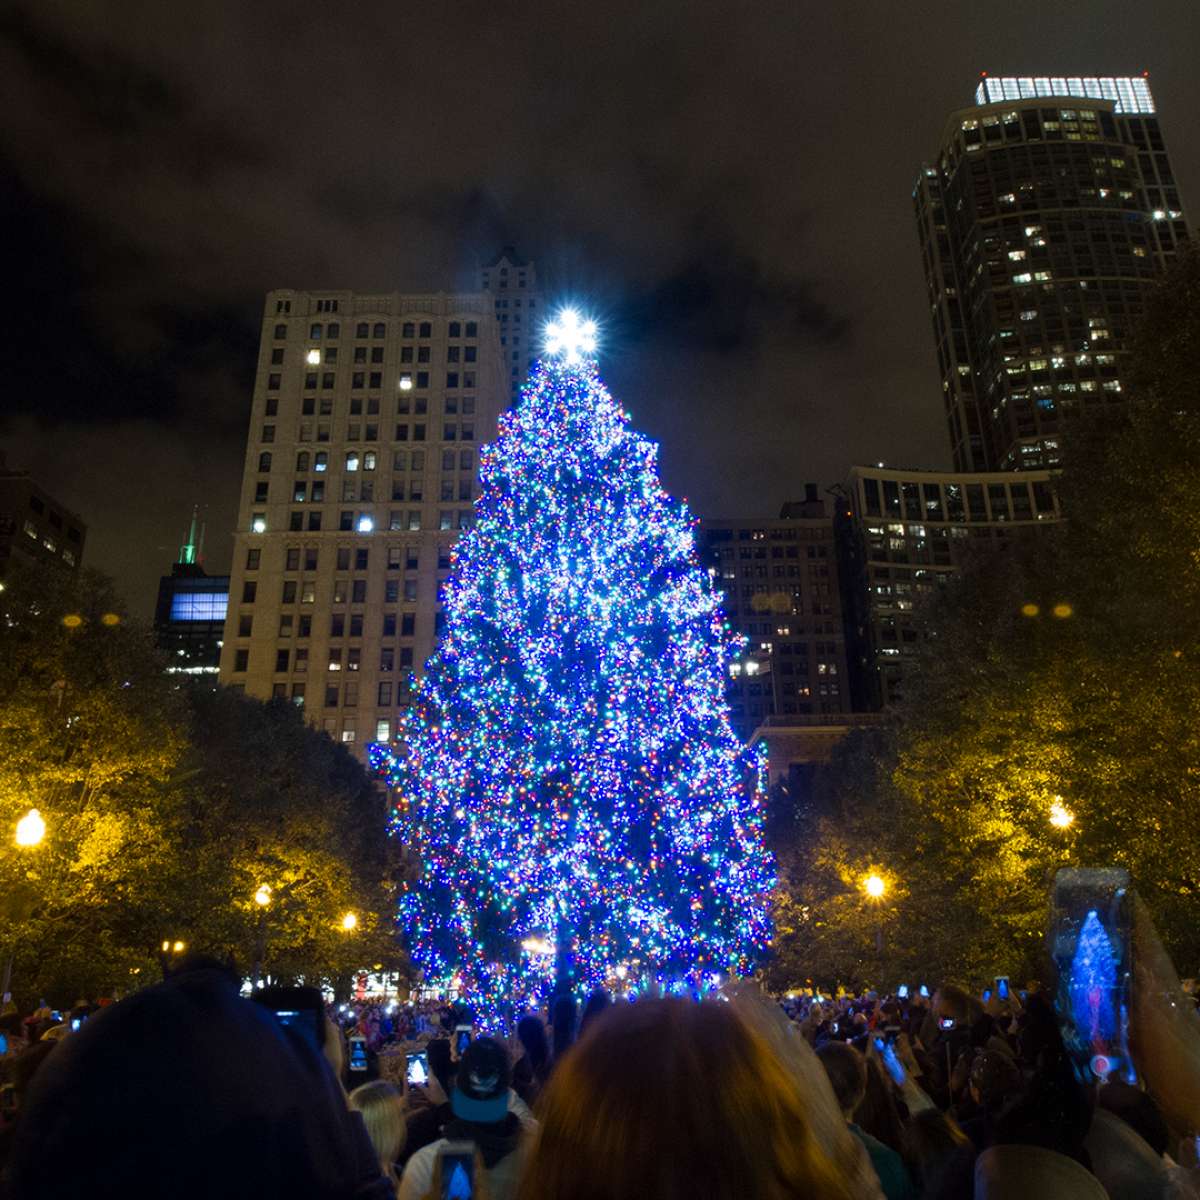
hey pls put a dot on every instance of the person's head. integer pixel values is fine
(933, 1140)
(189, 1088)
(847, 1071)
(382, 1107)
(441, 1064)
(667, 1099)
(563, 1022)
(481, 1085)
(597, 1003)
(532, 1035)
(952, 1002)
(995, 1079)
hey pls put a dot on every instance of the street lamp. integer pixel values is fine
(349, 922)
(875, 887)
(31, 828)
(262, 898)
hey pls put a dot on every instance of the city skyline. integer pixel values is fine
(780, 300)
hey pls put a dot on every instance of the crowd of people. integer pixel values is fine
(190, 1089)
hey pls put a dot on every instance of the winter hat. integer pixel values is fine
(481, 1086)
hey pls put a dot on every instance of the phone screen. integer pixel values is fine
(458, 1172)
(76, 1024)
(902, 991)
(462, 1039)
(987, 994)
(1002, 987)
(924, 990)
(305, 1021)
(3, 1043)
(358, 1054)
(1091, 945)
(947, 1022)
(417, 1071)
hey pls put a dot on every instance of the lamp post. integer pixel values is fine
(31, 829)
(875, 887)
(262, 898)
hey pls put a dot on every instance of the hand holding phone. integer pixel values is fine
(891, 1061)
(358, 1053)
(417, 1071)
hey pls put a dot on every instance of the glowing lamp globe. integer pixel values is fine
(875, 886)
(31, 828)
(349, 922)
(263, 896)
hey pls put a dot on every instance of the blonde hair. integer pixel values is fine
(665, 1099)
(382, 1107)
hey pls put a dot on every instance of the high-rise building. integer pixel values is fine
(1049, 210)
(35, 527)
(517, 304)
(780, 579)
(367, 416)
(899, 533)
(189, 618)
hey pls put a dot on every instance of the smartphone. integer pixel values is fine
(987, 994)
(358, 1053)
(1091, 945)
(77, 1024)
(462, 1039)
(946, 1023)
(457, 1163)
(3, 1043)
(417, 1071)
(924, 991)
(902, 991)
(1001, 987)
(300, 1008)
(56, 1015)
(891, 1062)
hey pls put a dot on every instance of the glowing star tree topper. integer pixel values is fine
(568, 779)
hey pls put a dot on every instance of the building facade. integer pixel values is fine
(361, 469)
(899, 532)
(189, 616)
(518, 306)
(1044, 219)
(780, 579)
(34, 527)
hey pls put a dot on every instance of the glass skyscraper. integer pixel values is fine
(1047, 214)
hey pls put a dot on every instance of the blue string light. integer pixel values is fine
(567, 772)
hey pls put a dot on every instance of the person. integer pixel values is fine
(995, 1083)
(563, 1023)
(480, 1106)
(667, 1098)
(189, 1090)
(382, 1107)
(533, 1067)
(847, 1071)
(597, 1004)
(431, 1110)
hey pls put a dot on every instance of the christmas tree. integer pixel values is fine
(568, 777)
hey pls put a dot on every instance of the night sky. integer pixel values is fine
(726, 187)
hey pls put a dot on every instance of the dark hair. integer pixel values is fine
(876, 1113)
(563, 1020)
(847, 1071)
(187, 1087)
(441, 1065)
(935, 1144)
(597, 1003)
(532, 1035)
(668, 1098)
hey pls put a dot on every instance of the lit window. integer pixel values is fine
(366, 523)
(352, 460)
(258, 523)
(313, 358)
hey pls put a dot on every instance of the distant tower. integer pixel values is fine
(189, 618)
(1049, 211)
(518, 306)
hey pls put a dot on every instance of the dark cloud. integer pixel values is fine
(726, 186)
